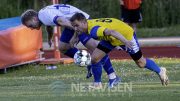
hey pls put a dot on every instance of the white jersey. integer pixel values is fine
(49, 14)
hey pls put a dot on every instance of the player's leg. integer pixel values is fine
(99, 55)
(106, 47)
(64, 45)
(151, 65)
(91, 44)
(106, 63)
(142, 62)
(67, 50)
(113, 78)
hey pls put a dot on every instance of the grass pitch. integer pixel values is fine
(35, 83)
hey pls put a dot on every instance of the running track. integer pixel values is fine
(151, 52)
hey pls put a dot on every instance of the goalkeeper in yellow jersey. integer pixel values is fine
(113, 33)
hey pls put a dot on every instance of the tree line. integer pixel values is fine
(156, 13)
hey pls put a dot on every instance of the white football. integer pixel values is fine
(82, 58)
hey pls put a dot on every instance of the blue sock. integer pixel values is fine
(107, 64)
(151, 65)
(97, 71)
(89, 73)
(70, 52)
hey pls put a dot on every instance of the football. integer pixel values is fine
(82, 58)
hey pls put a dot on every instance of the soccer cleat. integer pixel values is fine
(89, 72)
(163, 76)
(114, 82)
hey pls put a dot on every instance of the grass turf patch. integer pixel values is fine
(34, 82)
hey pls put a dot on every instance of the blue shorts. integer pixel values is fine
(66, 35)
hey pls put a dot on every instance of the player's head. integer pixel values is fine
(30, 19)
(79, 22)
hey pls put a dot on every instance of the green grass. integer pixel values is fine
(35, 83)
(172, 31)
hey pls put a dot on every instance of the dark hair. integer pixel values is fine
(78, 16)
(28, 15)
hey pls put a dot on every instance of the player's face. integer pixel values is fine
(79, 26)
(33, 24)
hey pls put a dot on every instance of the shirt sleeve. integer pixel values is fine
(97, 31)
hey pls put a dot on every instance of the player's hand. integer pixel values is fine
(74, 41)
(129, 44)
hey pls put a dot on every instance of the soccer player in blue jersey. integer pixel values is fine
(114, 33)
(59, 15)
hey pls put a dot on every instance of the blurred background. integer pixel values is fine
(161, 18)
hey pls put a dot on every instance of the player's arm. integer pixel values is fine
(74, 40)
(121, 2)
(119, 36)
(49, 30)
(64, 22)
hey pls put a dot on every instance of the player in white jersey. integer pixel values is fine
(59, 15)
(57, 10)
(53, 15)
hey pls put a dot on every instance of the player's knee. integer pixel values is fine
(63, 49)
(95, 59)
(141, 64)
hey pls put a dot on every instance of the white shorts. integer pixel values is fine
(135, 46)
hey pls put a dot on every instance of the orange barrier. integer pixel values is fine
(19, 44)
